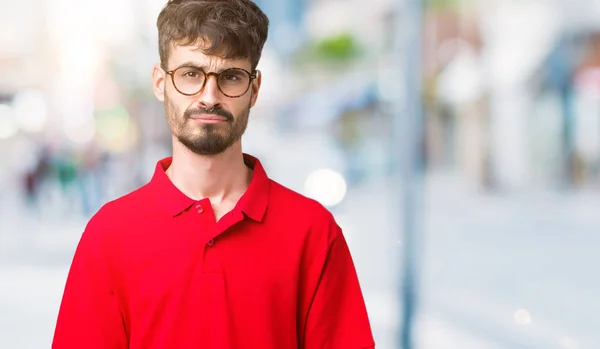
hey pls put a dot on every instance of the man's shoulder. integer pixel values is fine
(306, 209)
(306, 219)
(284, 194)
(121, 209)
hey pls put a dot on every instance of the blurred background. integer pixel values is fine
(456, 142)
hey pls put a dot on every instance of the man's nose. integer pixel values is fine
(210, 95)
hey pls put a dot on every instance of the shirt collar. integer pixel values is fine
(253, 202)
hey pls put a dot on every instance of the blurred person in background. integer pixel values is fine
(211, 253)
(91, 170)
(33, 178)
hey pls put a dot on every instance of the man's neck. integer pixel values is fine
(223, 178)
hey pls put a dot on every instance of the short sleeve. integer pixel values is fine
(337, 317)
(89, 315)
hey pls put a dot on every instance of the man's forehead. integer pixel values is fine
(181, 54)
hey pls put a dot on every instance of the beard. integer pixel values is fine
(206, 139)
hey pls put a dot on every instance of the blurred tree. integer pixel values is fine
(444, 4)
(337, 51)
(339, 47)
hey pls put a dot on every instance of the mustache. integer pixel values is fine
(215, 111)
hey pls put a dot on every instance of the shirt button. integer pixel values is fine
(210, 242)
(199, 208)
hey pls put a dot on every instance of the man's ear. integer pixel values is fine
(158, 82)
(255, 87)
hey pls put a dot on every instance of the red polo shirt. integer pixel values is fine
(155, 270)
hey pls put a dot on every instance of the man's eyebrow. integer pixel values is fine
(192, 64)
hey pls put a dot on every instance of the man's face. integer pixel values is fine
(208, 122)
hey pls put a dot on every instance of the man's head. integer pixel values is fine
(209, 50)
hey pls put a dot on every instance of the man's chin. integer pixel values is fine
(204, 147)
(200, 130)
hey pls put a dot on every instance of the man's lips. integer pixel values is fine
(209, 118)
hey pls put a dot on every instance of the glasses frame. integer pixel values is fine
(252, 76)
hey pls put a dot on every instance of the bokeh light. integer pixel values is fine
(326, 186)
(522, 317)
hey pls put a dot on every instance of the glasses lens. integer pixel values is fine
(188, 80)
(234, 82)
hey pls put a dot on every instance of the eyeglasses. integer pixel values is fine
(232, 82)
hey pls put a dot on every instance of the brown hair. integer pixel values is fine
(227, 28)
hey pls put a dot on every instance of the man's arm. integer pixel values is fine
(337, 317)
(89, 315)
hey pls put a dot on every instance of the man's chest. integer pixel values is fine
(241, 269)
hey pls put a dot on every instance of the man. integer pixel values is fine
(211, 253)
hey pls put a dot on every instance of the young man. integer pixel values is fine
(211, 253)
